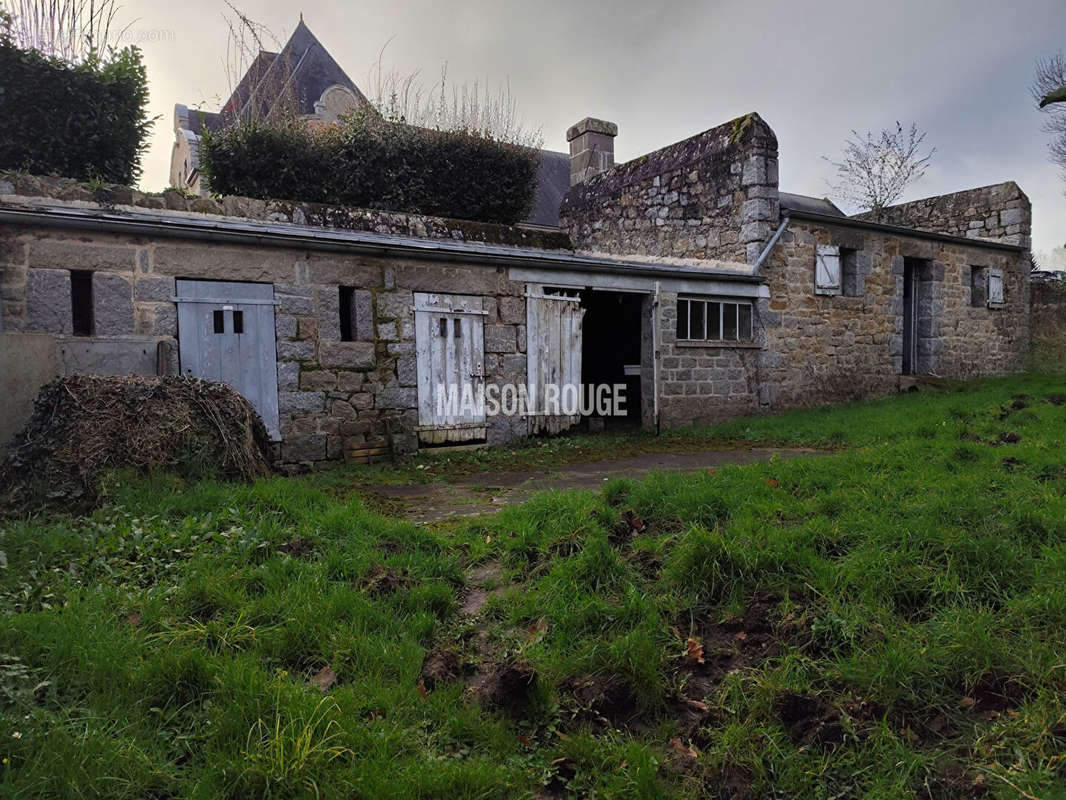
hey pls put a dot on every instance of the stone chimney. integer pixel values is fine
(591, 148)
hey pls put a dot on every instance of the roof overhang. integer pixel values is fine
(204, 227)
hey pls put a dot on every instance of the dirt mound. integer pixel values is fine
(809, 720)
(85, 425)
(509, 686)
(440, 666)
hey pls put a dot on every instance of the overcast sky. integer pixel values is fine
(664, 71)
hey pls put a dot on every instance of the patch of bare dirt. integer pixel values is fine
(607, 700)
(481, 581)
(809, 720)
(954, 782)
(995, 694)
(440, 666)
(628, 526)
(508, 685)
(717, 649)
(381, 580)
(1057, 399)
(297, 548)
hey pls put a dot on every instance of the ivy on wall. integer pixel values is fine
(369, 162)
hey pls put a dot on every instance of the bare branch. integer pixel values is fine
(1051, 77)
(875, 171)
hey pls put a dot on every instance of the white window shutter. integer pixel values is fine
(827, 270)
(995, 287)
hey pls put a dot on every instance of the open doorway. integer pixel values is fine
(611, 349)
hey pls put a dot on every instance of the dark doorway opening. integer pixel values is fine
(611, 350)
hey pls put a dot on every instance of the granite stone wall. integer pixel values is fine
(1047, 326)
(823, 348)
(331, 393)
(713, 196)
(1001, 212)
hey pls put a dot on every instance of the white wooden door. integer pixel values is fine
(553, 357)
(226, 334)
(450, 348)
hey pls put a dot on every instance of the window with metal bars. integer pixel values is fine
(701, 320)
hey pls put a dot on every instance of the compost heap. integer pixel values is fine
(84, 426)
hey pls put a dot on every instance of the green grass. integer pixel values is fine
(885, 622)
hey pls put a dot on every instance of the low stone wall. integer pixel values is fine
(713, 196)
(1047, 326)
(1001, 212)
(15, 187)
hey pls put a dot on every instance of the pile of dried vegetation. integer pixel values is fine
(84, 426)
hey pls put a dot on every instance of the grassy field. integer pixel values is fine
(885, 622)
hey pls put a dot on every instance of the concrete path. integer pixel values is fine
(487, 493)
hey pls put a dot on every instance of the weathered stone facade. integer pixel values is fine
(711, 196)
(1001, 212)
(691, 223)
(330, 392)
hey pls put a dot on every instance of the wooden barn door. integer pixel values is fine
(226, 334)
(553, 355)
(450, 347)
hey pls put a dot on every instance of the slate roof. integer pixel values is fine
(553, 181)
(300, 73)
(813, 205)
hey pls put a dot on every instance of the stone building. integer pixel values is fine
(685, 276)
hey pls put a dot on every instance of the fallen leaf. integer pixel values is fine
(524, 741)
(422, 689)
(741, 635)
(536, 631)
(324, 679)
(675, 631)
(696, 705)
(682, 749)
(967, 702)
(771, 482)
(694, 653)
(133, 618)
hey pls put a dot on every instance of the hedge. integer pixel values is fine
(371, 163)
(85, 121)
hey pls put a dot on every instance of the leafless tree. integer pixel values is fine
(1051, 79)
(874, 171)
(73, 30)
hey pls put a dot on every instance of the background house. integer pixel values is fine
(305, 80)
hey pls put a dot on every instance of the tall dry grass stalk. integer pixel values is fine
(470, 107)
(73, 30)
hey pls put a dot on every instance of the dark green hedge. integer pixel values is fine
(370, 163)
(85, 121)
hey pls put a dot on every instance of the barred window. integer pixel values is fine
(701, 320)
